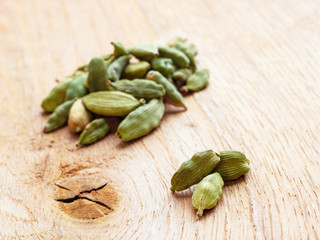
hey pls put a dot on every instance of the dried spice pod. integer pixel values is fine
(163, 65)
(141, 121)
(139, 88)
(192, 171)
(197, 81)
(59, 117)
(207, 193)
(145, 52)
(111, 103)
(188, 51)
(136, 70)
(98, 75)
(172, 96)
(177, 56)
(118, 49)
(233, 165)
(116, 67)
(57, 95)
(77, 88)
(93, 132)
(79, 117)
(182, 74)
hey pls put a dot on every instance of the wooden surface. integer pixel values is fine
(263, 99)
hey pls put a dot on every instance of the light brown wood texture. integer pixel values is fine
(263, 99)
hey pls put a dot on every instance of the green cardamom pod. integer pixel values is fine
(177, 56)
(180, 40)
(116, 67)
(207, 193)
(233, 164)
(93, 132)
(57, 95)
(59, 117)
(79, 117)
(197, 81)
(182, 74)
(188, 51)
(163, 65)
(77, 88)
(85, 67)
(136, 70)
(192, 171)
(141, 121)
(172, 96)
(139, 88)
(119, 49)
(145, 52)
(111, 103)
(98, 76)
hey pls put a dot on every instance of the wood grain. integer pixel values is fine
(263, 99)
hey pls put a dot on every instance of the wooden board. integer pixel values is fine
(263, 99)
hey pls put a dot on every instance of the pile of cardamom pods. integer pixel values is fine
(132, 83)
(209, 169)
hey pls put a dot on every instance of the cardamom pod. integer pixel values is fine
(119, 50)
(197, 81)
(172, 96)
(136, 70)
(57, 95)
(145, 52)
(116, 67)
(139, 88)
(77, 89)
(59, 117)
(182, 74)
(188, 51)
(111, 103)
(233, 164)
(98, 76)
(179, 40)
(141, 121)
(192, 171)
(177, 56)
(93, 132)
(163, 65)
(207, 193)
(79, 117)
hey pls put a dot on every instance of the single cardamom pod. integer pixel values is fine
(77, 89)
(178, 40)
(177, 56)
(59, 117)
(192, 171)
(145, 52)
(141, 121)
(207, 193)
(57, 95)
(98, 76)
(197, 81)
(116, 67)
(136, 70)
(111, 103)
(188, 51)
(93, 132)
(79, 117)
(119, 49)
(182, 74)
(233, 164)
(172, 96)
(139, 88)
(163, 65)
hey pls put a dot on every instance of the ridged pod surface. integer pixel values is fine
(142, 120)
(139, 88)
(163, 65)
(192, 171)
(93, 132)
(197, 81)
(59, 117)
(177, 56)
(77, 88)
(116, 67)
(207, 193)
(173, 96)
(145, 52)
(98, 75)
(233, 164)
(110, 103)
